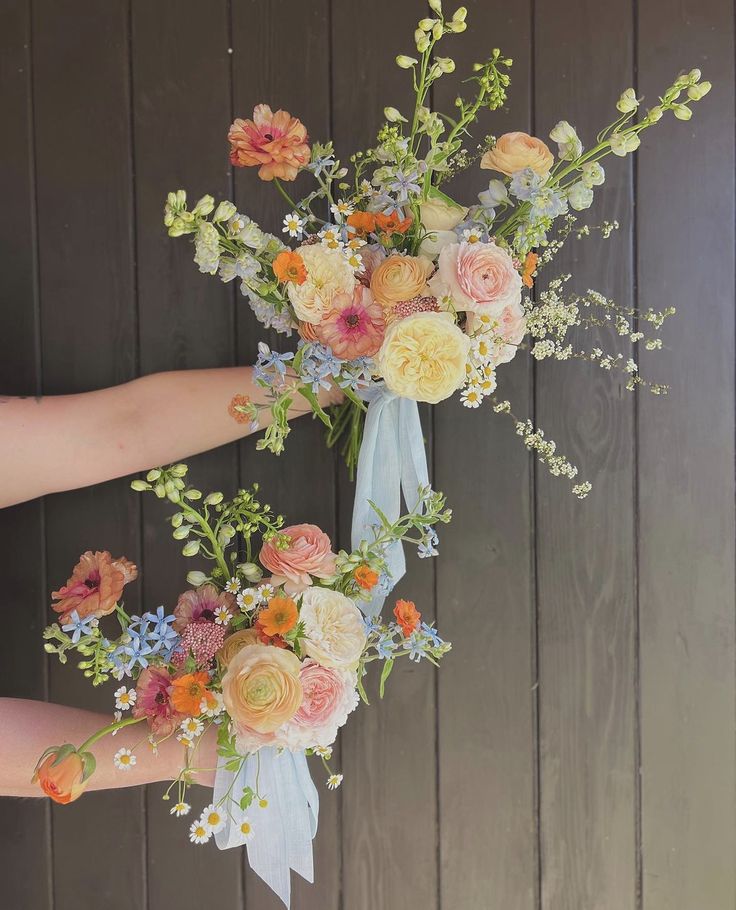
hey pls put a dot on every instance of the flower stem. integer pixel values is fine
(110, 728)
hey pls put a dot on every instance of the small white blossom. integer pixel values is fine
(124, 759)
(293, 225)
(246, 829)
(199, 833)
(125, 698)
(248, 599)
(334, 781)
(180, 809)
(213, 818)
(232, 586)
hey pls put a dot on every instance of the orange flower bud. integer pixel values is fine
(63, 773)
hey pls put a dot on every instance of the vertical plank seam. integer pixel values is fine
(733, 37)
(38, 344)
(133, 242)
(634, 252)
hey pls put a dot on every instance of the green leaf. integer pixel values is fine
(247, 798)
(350, 394)
(361, 691)
(385, 673)
(233, 765)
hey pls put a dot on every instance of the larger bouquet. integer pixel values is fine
(390, 279)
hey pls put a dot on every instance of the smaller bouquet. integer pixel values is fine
(269, 656)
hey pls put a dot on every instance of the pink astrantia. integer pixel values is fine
(354, 325)
(277, 142)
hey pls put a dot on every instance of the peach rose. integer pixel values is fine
(308, 554)
(479, 277)
(423, 357)
(62, 774)
(261, 687)
(400, 278)
(334, 633)
(515, 151)
(235, 643)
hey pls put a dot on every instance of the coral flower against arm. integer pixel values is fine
(277, 142)
(407, 616)
(187, 693)
(63, 773)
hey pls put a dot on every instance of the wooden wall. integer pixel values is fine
(577, 750)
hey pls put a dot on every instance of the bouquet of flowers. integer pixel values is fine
(390, 281)
(266, 654)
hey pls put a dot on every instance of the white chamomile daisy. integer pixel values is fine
(365, 188)
(180, 809)
(185, 739)
(246, 829)
(213, 818)
(248, 599)
(192, 726)
(125, 698)
(293, 225)
(222, 616)
(473, 235)
(486, 385)
(341, 209)
(124, 759)
(471, 397)
(199, 833)
(212, 705)
(356, 262)
(323, 752)
(232, 586)
(266, 592)
(355, 243)
(334, 781)
(483, 348)
(330, 238)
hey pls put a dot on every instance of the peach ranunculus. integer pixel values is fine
(95, 585)
(62, 773)
(235, 643)
(329, 696)
(261, 687)
(423, 357)
(328, 273)
(334, 632)
(308, 554)
(354, 325)
(200, 605)
(515, 151)
(400, 278)
(479, 277)
(277, 142)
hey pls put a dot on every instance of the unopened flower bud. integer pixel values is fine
(694, 75)
(654, 114)
(446, 64)
(437, 31)
(628, 101)
(393, 116)
(139, 485)
(460, 14)
(224, 211)
(153, 475)
(682, 111)
(214, 499)
(696, 92)
(204, 206)
(436, 6)
(178, 470)
(426, 24)
(196, 579)
(250, 571)
(191, 548)
(405, 62)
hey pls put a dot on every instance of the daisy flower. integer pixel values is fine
(293, 225)
(212, 818)
(487, 385)
(125, 698)
(263, 803)
(232, 586)
(124, 759)
(192, 726)
(483, 349)
(356, 262)
(222, 616)
(246, 829)
(471, 397)
(212, 705)
(248, 599)
(341, 209)
(199, 833)
(266, 592)
(334, 781)
(323, 752)
(473, 235)
(180, 809)
(185, 739)
(330, 238)
(355, 243)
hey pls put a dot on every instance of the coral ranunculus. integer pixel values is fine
(236, 642)
(61, 774)
(353, 325)
(95, 585)
(309, 553)
(277, 142)
(261, 688)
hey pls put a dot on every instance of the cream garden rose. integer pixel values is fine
(334, 634)
(328, 273)
(516, 151)
(261, 688)
(479, 277)
(400, 278)
(424, 356)
(439, 217)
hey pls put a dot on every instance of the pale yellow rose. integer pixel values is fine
(261, 688)
(334, 633)
(516, 151)
(441, 215)
(236, 642)
(328, 273)
(400, 278)
(423, 357)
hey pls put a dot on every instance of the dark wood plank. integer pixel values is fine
(389, 755)
(485, 586)
(22, 660)
(281, 57)
(585, 550)
(186, 321)
(686, 457)
(84, 184)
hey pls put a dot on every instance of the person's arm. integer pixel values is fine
(68, 441)
(28, 728)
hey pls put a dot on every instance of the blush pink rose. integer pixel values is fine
(309, 554)
(330, 694)
(480, 277)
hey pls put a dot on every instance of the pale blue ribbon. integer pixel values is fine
(282, 831)
(392, 460)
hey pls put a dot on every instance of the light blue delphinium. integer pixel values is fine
(525, 184)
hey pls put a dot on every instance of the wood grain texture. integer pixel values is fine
(585, 550)
(23, 671)
(686, 458)
(487, 781)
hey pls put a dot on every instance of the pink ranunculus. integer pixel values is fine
(354, 325)
(200, 605)
(330, 695)
(277, 142)
(309, 553)
(154, 701)
(480, 277)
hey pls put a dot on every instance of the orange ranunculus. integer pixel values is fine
(530, 267)
(276, 143)
(289, 266)
(365, 577)
(392, 224)
(95, 585)
(362, 223)
(233, 643)
(407, 616)
(188, 691)
(61, 773)
(279, 617)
